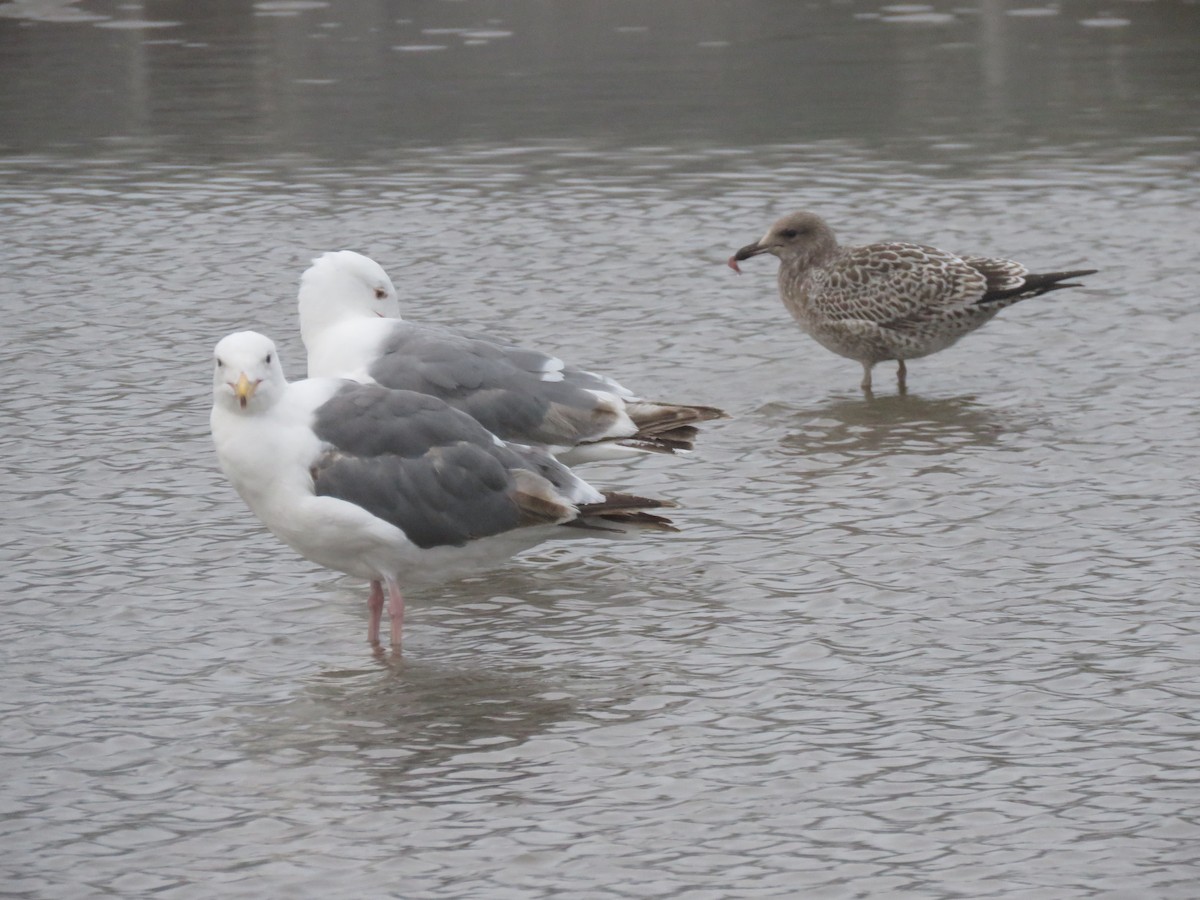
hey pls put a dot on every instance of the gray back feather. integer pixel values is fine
(430, 470)
(501, 387)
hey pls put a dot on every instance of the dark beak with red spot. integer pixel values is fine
(745, 253)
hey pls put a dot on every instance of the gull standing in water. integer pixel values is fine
(392, 486)
(891, 300)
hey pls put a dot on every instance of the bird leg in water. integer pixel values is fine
(866, 382)
(902, 377)
(375, 605)
(395, 612)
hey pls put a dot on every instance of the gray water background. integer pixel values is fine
(942, 645)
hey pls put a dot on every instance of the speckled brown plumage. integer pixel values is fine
(890, 300)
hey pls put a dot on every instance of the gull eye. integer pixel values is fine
(788, 233)
(268, 359)
(380, 293)
(220, 365)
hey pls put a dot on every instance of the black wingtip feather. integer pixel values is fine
(1037, 284)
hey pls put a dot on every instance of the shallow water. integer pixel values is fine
(938, 645)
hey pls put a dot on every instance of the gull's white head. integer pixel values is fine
(344, 285)
(247, 375)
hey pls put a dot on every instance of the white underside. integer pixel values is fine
(602, 451)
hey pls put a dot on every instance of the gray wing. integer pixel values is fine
(896, 285)
(518, 394)
(432, 471)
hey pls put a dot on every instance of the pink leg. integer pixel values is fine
(375, 605)
(395, 611)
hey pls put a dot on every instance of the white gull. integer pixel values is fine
(351, 325)
(392, 486)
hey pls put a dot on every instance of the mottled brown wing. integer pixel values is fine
(896, 285)
(1002, 274)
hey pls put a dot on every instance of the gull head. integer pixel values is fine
(345, 285)
(247, 374)
(801, 239)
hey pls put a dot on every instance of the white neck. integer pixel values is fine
(345, 349)
(317, 316)
(266, 453)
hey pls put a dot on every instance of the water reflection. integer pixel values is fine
(272, 78)
(910, 424)
(407, 715)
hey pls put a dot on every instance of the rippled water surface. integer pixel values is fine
(940, 645)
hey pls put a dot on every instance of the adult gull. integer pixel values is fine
(351, 325)
(392, 486)
(891, 300)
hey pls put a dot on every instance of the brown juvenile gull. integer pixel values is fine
(351, 326)
(392, 486)
(891, 300)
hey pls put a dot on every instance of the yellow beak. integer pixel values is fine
(244, 389)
